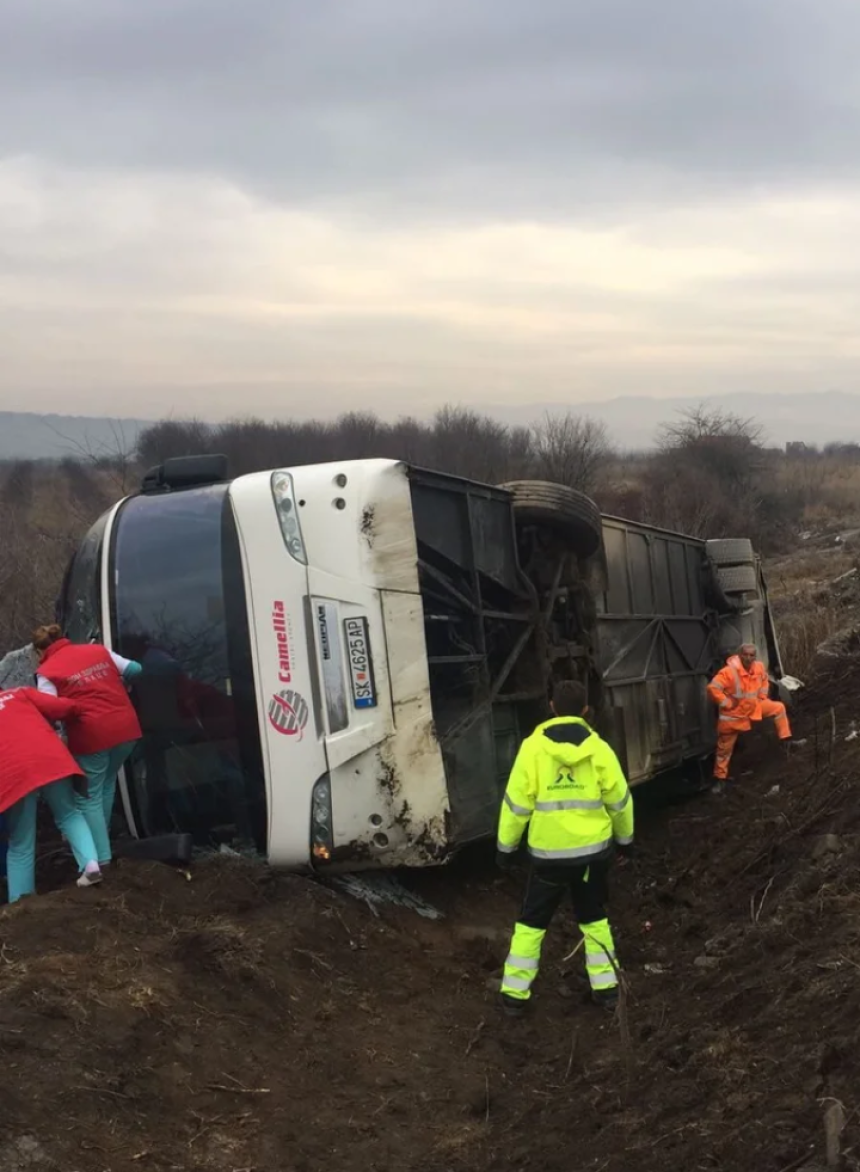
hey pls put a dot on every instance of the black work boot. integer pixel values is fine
(513, 1006)
(605, 998)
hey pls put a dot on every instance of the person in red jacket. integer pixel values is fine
(106, 729)
(34, 760)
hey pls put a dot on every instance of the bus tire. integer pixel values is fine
(738, 579)
(730, 551)
(572, 513)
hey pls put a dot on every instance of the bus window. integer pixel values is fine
(81, 604)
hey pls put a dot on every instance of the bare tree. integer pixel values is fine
(358, 435)
(458, 440)
(466, 443)
(407, 440)
(520, 464)
(116, 457)
(173, 437)
(706, 475)
(570, 449)
(721, 437)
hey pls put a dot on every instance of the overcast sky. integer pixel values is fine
(293, 207)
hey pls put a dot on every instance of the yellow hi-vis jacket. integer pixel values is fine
(569, 789)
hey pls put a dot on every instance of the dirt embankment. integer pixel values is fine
(240, 1020)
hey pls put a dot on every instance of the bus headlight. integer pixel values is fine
(322, 837)
(288, 515)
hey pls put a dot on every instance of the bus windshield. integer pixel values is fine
(80, 610)
(178, 607)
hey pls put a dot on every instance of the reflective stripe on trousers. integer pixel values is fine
(775, 710)
(523, 962)
(600, 962)
(728, 733)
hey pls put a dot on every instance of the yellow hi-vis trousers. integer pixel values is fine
(546, 888)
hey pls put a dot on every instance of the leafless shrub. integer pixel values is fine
(705, 477)
(114, 457)
(570, 449)
(39, 535)
(17, 488)
(83, 484)
(30, 572)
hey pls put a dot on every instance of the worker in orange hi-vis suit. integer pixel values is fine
(741, 692)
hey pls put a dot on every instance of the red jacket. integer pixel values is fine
(86, 674)
(31, 753)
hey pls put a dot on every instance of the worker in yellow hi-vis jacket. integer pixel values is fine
(568, 788)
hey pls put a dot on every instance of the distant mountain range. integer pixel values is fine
(814, 418)
(52, 437)
(633, 423)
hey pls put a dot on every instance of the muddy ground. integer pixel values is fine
(240, 1020)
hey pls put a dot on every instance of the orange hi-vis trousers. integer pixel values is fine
(728, 733)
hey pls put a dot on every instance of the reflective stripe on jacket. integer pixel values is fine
(568, 788)
(738, 693)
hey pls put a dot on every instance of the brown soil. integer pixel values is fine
(241, 1020)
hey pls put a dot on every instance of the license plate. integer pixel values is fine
(360, 663)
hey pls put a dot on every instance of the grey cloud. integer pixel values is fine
(460, 108)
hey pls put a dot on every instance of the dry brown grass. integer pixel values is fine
(837, 500)
(39, 533)
(804, 621)
(810, 603)
(806, 567)
(819, 493)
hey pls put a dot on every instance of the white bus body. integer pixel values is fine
(340, 660)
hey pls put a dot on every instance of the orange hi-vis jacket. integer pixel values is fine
(739, 693)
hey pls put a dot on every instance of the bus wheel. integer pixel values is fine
(562, 509)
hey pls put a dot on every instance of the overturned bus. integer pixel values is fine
(341, 660)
